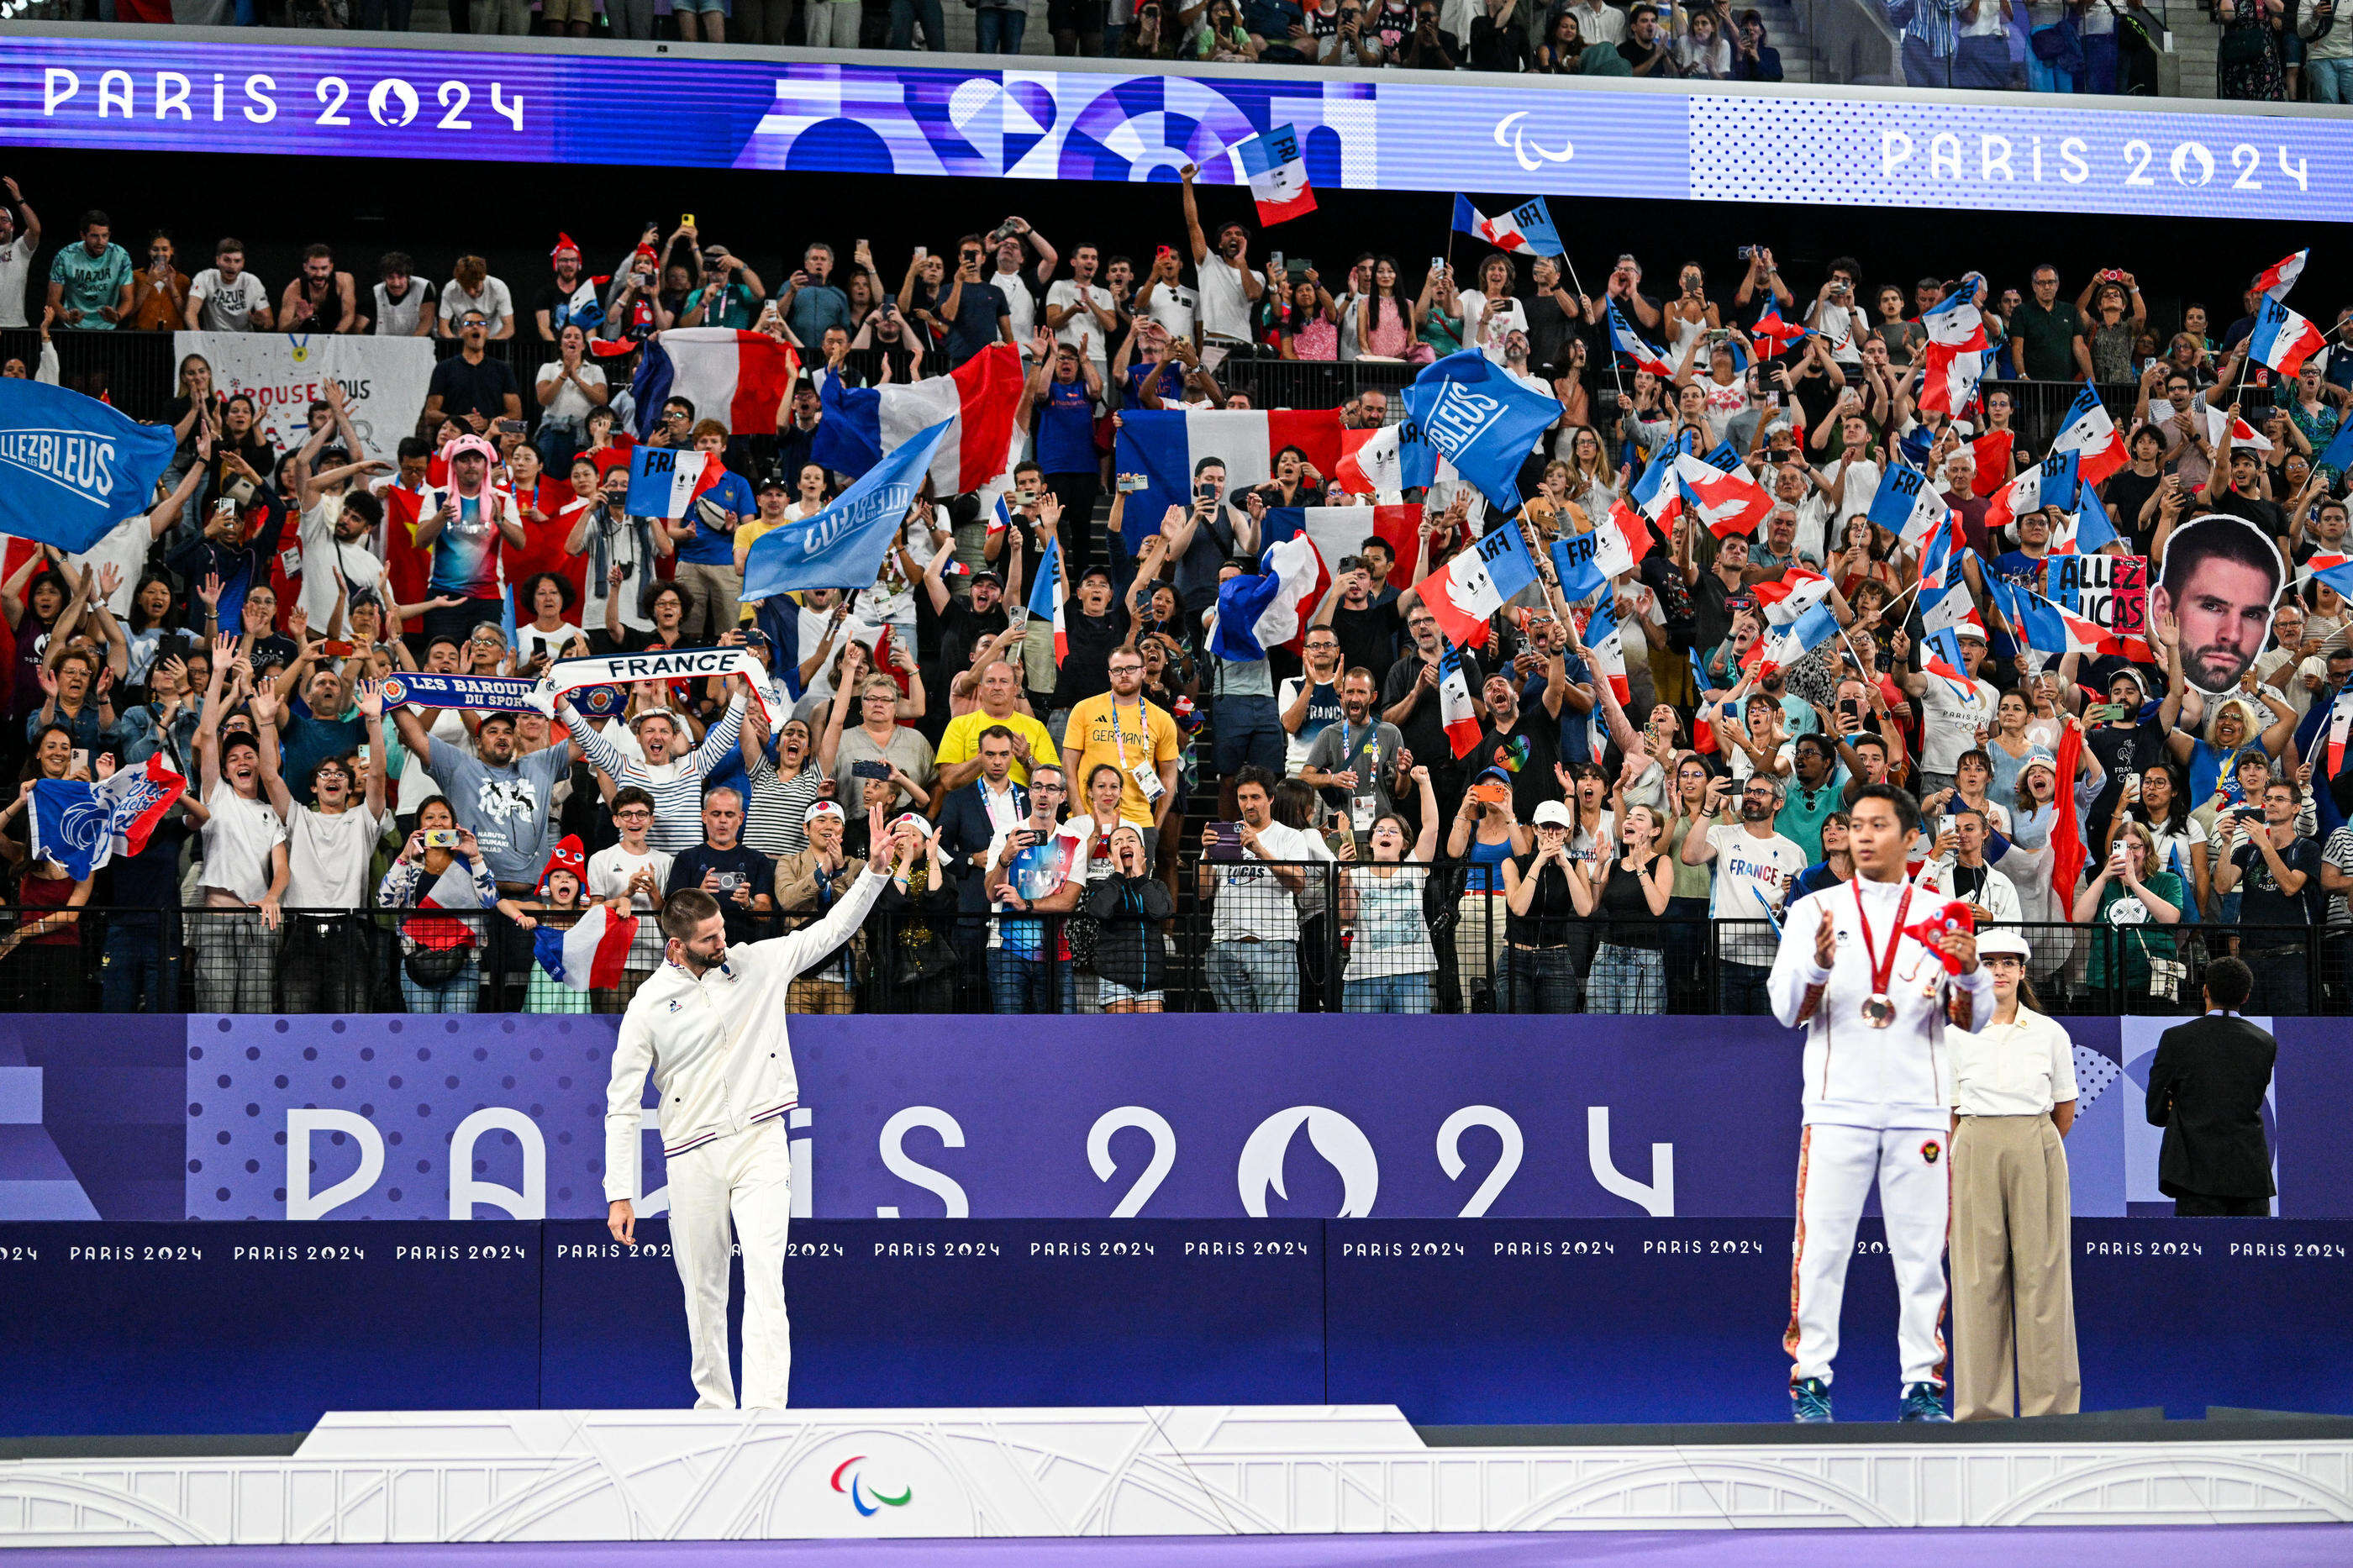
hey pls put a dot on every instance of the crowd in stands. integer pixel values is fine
(1311, 828)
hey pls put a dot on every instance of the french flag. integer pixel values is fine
(1940, 560)
(1624, 340)
(1341, 530)
(1478, 582)
(1160, 447)
(859, 425)
(1773, 328)
(1653, 491)
(588, 956)
(1271, 609)
(665, 481)
(1906, 505)
(2052, 483)
(2241, 434)
(2333, 569)
(1815, 625)
(1990, 455)
(1455, 709)
(1526, 230)
(1797, 591)
(2051, 629)
(739, 379)
(1605, 645)
(1046, 599)
(1726, 503)
(2091, 435)
(1375, 461)
(1276, 167)
(1955, 356)
(1941, 656)
(2282, 339)
(2280, 276)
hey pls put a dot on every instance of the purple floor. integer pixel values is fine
(2251, 1546)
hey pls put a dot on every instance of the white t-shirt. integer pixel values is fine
(1225, 299)
(1068, 295)
(1501, 316)
(1837, 324)
(1948, 724)
(609, 871)
(493, 301)
(238, 841)
(571, 405)
(1752, 874)
(327, 857)
(1020, 305)
(226, 307)
(324, 556)
(1250, 902)
(15, 271)
(398, 318)
(1172, 309)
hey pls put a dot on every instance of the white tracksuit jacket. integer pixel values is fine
(717, 1046)
(1857, 1076)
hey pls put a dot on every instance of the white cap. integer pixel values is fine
(2001, 941)
(1553, 814)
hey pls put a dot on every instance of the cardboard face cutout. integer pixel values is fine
(2218, 582)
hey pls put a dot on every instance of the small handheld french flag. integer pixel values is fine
(589, 956)
(1046, 598)
(1526, 227)
(1624, 340)
(1771, 328)
(664, 481)
(2282, 339)
(2280, 276)
(1455, 709)
(1276, 167)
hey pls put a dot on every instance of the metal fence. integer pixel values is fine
(1242, 936)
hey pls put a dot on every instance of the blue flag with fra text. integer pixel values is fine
(843, 546)
(1481, 420)
(70, 466)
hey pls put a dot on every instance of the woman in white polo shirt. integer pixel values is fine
(2013, 1297)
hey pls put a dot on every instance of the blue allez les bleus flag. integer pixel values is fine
(70, 466)
(1481, 420)
(843, 546)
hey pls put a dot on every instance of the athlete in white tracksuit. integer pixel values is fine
(710, 1026)
(1877, 1101)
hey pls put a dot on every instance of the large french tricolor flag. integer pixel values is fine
(739, 379)
(1339, 531)
(1727, 503)
(1160, 446)
(588, 956)
(2280, 276)
(1476, 582)
(977, 400)
(2282, 339)
(1275, 164)
(2091, 435)
(1955, 357)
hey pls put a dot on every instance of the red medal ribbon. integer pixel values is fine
(1882, 969)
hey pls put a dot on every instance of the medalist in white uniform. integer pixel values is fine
(723, 1068)
(1877, 1107)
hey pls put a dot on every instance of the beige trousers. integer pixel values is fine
(2013, 1283)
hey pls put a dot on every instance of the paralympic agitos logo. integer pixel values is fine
(858, 1491)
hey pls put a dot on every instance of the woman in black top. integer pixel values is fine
(1545, 894)
(1129, 906)
(1629, 971)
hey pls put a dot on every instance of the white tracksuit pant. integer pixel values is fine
(1836, 1166)
(747, 1176)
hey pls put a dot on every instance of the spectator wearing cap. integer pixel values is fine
(977, 616)
(1030, 873)
(561, 898)
(330, 839)
(1096, 625)
(1546, 892)
(1755, 867)
(1950, 718)
(633, 876)
(917, 963)
(673, 769)
(809, 882)
(2014, 1096)
(1753, 59)
(2127, 734)
(504, 798)
(243, 880)
(741, 879)
(2206, 1088)
(1253, 960)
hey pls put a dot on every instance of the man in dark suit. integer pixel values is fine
(970, 820)
(2205, 1089)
